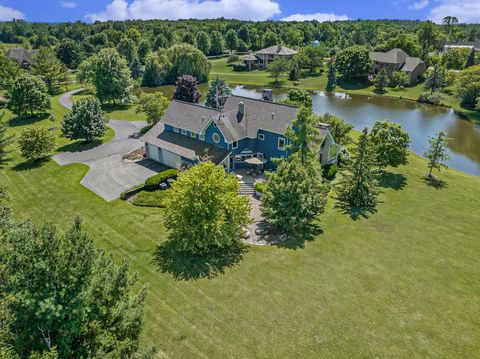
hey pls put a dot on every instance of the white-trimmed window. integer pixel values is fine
(175, 129)
(184, 131)
(201, 137)
(193, 134)
(234, 145)
(281, 143)
(261, 136)
(216, 137)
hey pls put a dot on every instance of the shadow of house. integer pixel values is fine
(187, 266)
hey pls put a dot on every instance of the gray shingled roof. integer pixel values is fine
(21, 55)
(277, 50)
(394, 56)
(411, 64)
(249, 57)
(188, 115)
(474, 44)
(182, 145)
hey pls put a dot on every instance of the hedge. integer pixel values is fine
(150, 198)
(152, 183)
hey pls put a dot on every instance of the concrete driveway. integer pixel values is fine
(109, 175)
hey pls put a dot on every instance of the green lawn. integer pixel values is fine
(403, 283)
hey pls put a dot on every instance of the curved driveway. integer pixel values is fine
(109, 175)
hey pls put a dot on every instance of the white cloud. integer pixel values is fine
(467, 11)
(319, 16)
(8, 13)
(68, 4)
(186, 9)
(419, 5)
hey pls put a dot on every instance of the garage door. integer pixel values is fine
(169, 159)
(153, 153)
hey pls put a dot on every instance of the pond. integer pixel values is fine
(419, 120)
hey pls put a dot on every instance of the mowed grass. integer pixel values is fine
(404, 282)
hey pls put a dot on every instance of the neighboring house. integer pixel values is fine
(398, 60)
(261, 58)
(248, 133)
(23, 56)
(463, 45)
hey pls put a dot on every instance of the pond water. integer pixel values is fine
(419, 120)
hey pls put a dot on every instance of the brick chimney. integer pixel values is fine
(267, 95)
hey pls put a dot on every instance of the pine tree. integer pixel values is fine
(294, 74)
(435, 79)
(471, 59)
(332, 77)
(136, 68)
(359, 187)
(436, 154)
(5, 140)
(217, 93)
(381, 80)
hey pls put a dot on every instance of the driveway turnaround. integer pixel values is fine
(109, 175)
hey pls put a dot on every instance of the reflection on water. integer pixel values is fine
(419, 120)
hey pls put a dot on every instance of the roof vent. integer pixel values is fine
(273, 116)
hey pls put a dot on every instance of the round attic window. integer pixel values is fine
(216, 138)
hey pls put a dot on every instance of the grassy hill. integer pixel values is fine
(404, 282)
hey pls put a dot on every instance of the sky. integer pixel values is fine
(467, 11)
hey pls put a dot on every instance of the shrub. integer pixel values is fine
(145, 129)
(152, 183)
(329, 171)
(239, 67)
(260, 187)
(150, 199)
(233, 58)
(128, 193)
(434, 99)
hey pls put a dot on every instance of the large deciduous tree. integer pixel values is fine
(217, 93)
(436, 154)
(278, 68)
(153, 105)
(354, 62)
(390, 143)
(186, 89)
(231, 40)
(5, 139)
(62, 296)
(312, 57)
(109, 73)
(338, 128)
(187, 59)
(128, 49)
(293, 196)
(70, 53)
(217, 44)
(36, 143)
(28, 95)
(203, 42)
(86, 121)
(50, 69)
(206, 213)
(468, 86)
(358, 188)
(9, 70)
(156, 70)
(298, 97)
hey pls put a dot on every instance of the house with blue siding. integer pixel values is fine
(246, 133)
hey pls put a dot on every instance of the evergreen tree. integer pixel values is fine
(50, 69)
(217, 44)
(293, 196)
(85, 120)
(5, 140)
(359, 186)
(28, 95)
(217, 93)
(390, 143)
(294, 74)
(186, 89)
(471, 59)
(144, 48)
(63, 298)
(381, 80)
(136, 68)
(436, 154)
(435, 79)
(332, 77)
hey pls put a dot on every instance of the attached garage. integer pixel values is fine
(169, 159)
(153, 152)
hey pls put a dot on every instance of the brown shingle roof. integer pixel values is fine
(394, 56)
(21, 55)
(411, 64)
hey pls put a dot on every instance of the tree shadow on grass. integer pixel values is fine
(354, 212)
(395, 181)
(27, 120)
(187, 266)
(435, 182)
(27, 165)
(297, 240)
(79, 146)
